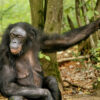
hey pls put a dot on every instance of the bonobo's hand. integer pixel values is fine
(48, 95)
(97, 23)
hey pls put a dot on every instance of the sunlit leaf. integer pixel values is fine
(47, 58)
(99, 79)
(96, 12)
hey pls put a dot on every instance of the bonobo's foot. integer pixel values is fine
(48, 95)
(50, 83)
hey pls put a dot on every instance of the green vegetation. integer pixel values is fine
(69, 9)
(95, 52)
(12, 11)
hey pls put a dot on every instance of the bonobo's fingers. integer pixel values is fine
(50, 83)
(97, 23)
(49, 96)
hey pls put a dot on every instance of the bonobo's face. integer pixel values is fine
(17, 39)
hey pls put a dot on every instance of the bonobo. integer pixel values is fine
(21, 76)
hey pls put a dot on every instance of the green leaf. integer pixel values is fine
(41, 55)
(98, 58)
(99, 79)
(47, 58)
(98, 65)
(96, 12)
(97, 49)
(90, 14)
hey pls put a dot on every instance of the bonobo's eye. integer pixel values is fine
(12, 35)
(19, 36)
(33, 33)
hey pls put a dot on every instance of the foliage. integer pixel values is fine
(12, 11)
(95, 52)
(19, 10)
(69, 9)
(41, 55)
(96, 55)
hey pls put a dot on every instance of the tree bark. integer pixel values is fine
(51, 15)
(87, 22)
(53, 25)
(85, 45)
(97, 37)
(98, 7)
(70, 22)
(37, 16)
(77, 9)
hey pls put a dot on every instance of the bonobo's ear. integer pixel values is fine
(33, 32)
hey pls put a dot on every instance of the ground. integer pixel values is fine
(78, 75)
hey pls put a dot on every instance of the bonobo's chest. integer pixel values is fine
(28, 71)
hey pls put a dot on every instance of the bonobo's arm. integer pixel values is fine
(60, 42)
(9, 88)
(13, 89)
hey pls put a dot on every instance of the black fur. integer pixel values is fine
(36, 41)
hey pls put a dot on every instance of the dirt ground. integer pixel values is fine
(80, 79)
(83, 97)
(95, 96)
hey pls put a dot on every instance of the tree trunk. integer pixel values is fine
(90, 39)
(97, 16)
(37, 13)
(70, 22)
(95, 37)
(87, 44)
(77, 9)
(53, 25)
(98, 7)
(53, 17)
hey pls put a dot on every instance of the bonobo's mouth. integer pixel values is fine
(16, 51)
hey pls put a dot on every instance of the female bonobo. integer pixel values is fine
(21, 75)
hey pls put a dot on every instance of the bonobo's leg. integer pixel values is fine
(15, 98)
(13, 89)
(51, 83)
(9, 88)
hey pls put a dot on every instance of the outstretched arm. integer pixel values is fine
(56, 42)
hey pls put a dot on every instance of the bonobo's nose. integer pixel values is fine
(14, 45)
(14, 42)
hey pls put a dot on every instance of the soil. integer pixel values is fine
(79, 77)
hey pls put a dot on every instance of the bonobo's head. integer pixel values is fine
(21, 34)
(17, 39)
